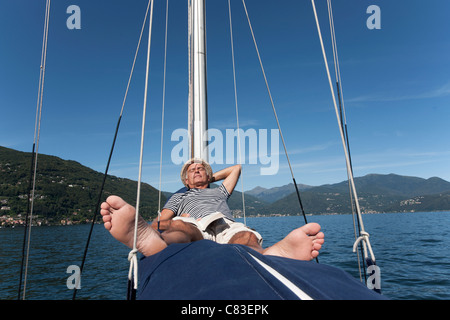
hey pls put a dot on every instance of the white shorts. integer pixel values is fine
(217, 227)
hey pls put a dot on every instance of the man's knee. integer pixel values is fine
(187, 228)
(245, 238)
(181, 226)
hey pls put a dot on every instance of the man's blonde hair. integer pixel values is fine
(183, 174)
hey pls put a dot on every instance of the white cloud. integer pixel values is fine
(441, 91)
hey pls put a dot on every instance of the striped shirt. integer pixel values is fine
(200, 203)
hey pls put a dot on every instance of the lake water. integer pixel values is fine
(412, 251)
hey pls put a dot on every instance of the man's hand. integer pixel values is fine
(230, 176)
(165, 220)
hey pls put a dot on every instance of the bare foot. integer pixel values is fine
(303, 243)
(118, 218)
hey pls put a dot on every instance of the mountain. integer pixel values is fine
(65, 189)
(68, 191)
(376, 193)
(273, 194)
(395, 185)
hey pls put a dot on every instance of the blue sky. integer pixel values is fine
(396, 84)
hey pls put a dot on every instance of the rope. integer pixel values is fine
(34, 160)
(190, 72)
(275, 113)
(135, 58)
(111, 152)
(365, 236)
(344, 123)
(162, 113)
(133, 253)
(237, 111)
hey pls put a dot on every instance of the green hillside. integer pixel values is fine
(64, 189)
(67, 192)
(376, 193)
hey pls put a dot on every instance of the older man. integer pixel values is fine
(200, 212)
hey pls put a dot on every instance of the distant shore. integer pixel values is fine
(19, 222)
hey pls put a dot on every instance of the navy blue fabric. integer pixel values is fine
(205, 270)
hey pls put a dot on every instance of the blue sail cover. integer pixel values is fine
(205, 270)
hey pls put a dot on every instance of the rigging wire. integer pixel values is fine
(237, 110)
(132, 257)
(191, 74)
(275, 113)
(111, 153)
(340, 96)
(162, 112)
(34, 157)
(364, 237)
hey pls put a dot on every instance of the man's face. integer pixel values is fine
(196, 176)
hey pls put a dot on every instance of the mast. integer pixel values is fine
(198, 106)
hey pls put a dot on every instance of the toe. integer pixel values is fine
(311, 228)
(115, 202)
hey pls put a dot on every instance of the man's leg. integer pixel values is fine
(119, 217)
(303, 243)
(179, 231)
(248, 239)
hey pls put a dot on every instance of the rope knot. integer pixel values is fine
(133, 272)
(132, 254)
(363, 237)
(366, 243)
